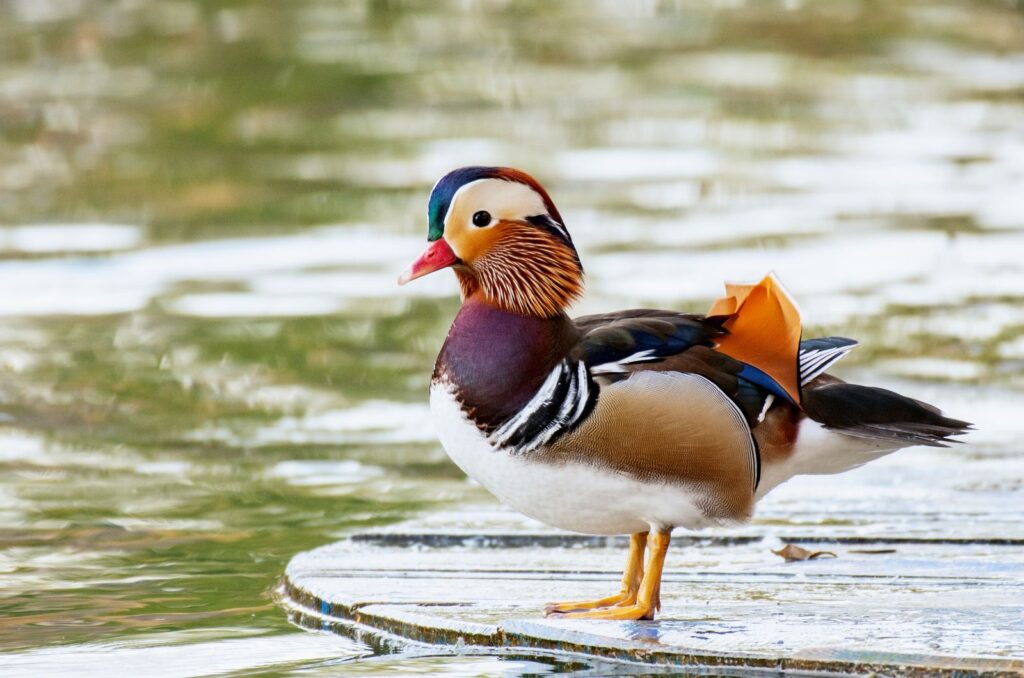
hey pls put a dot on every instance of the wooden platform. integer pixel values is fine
(476, 580)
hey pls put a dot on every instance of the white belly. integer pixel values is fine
(575, 496)
(821, 451)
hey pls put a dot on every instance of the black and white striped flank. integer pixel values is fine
(563, 400)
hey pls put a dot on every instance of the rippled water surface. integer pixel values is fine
(205, 365)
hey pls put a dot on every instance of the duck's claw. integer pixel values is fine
(619, 599)
(625, 612)
(635, 602)
(631, 579)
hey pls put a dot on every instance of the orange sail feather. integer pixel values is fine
(764, 330)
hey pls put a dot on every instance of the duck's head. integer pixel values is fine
(501, 233)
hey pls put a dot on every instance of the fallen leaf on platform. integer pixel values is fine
(793, 552)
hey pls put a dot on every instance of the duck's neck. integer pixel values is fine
(496, 360)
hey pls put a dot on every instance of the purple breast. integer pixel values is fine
(497, 360)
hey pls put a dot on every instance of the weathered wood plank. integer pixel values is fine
(943, 605)
(947, 596)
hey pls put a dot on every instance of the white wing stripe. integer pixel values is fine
(581, 403)
(616, 367)
(639, 357)
(815, 361)
(812, 362)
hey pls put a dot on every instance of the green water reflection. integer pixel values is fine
(198, 378)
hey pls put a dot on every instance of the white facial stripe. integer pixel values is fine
(507, 200)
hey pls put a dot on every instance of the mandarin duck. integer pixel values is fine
(633, 422)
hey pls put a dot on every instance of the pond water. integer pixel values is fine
(206, 367)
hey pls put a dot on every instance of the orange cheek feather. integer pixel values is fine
(470, 245)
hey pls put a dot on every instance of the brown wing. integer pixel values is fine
(617, 345)
(670, 427)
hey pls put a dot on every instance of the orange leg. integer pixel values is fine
(649, 596)
(631, 579)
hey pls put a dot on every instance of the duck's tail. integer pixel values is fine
(879, 414)
(844, 426)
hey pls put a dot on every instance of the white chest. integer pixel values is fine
(577, 496)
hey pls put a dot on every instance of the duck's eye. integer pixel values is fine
(481, 218)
